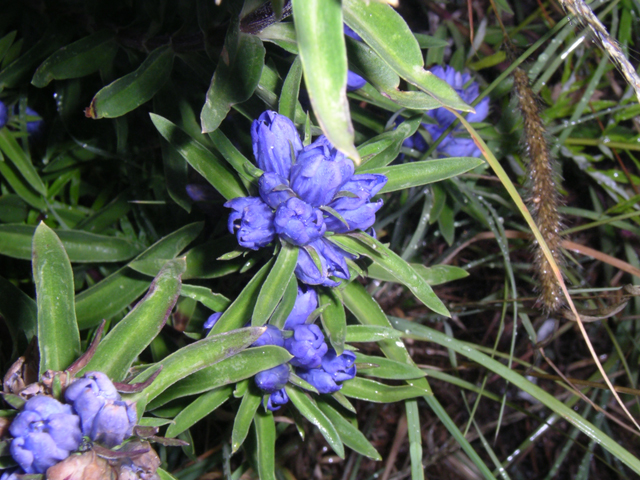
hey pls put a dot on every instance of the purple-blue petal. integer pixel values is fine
(275, 138)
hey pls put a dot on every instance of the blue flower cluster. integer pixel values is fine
(312, 359)
(453, 145)
(33, 126)
(47, 431)
(305, 192)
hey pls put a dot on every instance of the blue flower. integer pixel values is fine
(298, 182)
(274, 189)
(298, 222)
(353, 204)
(113, 423)
(275, 139)
(273, 379)
(306, 303)
(332, 264)
(307, 346)
(455, 144)
(33, 126)
(354, 81)
(251, 221)
(320, 379)
(271, 336)
(319, 172)
(340, 367)
(45, 432)
(212, 320)
(105, 417)
(277, 399)
(334, 368)
(4, 115)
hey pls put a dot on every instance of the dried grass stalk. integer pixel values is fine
(544, 199)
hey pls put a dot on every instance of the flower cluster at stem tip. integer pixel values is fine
(454, 144)
(46, 431)
(305, 192)
(312, 360)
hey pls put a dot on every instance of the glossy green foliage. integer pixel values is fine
(58, 336)
(324, 62)
(132, 90)
(136, 331)
(235, 79)
(78, 59)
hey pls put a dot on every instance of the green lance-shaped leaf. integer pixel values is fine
(55, 37)
(369, 313)
(58, 336)
(245, 364)
(383, 149)
(435, 275)
(284, 308)
(242, 308)
(367, 63)
(198, 409)
(387, 368)
(176, 173)
(12, 176)
(81, 247)
(236, 76)
(276, 283)
(324, 62)
(386, 32)
(132, 90)
(214, 170)
(370, 333)
(366, 245)
(291, 90)
(14, 152)
(6, 42)
(265, 428)
(113, 294)
(372, 391)
(246, 170)
(204, 295)
(195, 357)
(244, 417)
(19, 313)
(134, 333)
(422, 173)
(349, 434)
(308, 408)
(78, 59)
(333, 318)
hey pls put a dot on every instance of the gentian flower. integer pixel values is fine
(273, 379)
(275, 139)
(340, 367)
(105, 417)
(271, 336)
(334, 368)
(45, 432)
(319, 172)
(113, 423)
(298, 183)
(453, 145)
(354, 81)
(277, 399)
(33, 126)
(212, 320)
(298, 222)
(251, 221)
(332, 264)
(4, 114)
(306, 303)
(307, 346)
